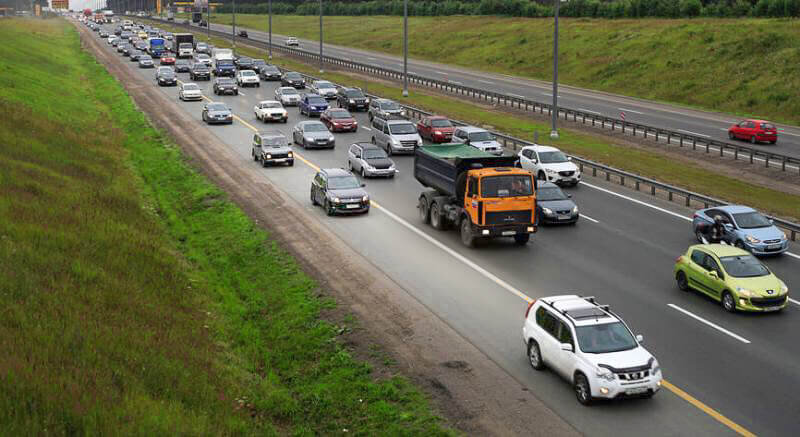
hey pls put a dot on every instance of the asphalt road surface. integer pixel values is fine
(742, 371)
(689, 121)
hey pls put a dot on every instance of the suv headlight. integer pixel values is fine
(365, 199)
(331, 138)
(549, 170)
(744, 292)
(335, 200)
(290, 155)
(604, 373)
(655, 368)
(269, 156)
(352, 102)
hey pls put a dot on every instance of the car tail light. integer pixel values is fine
(530, 305)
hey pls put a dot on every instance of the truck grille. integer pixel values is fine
(408, 143)
(507, 217)
(768, 301)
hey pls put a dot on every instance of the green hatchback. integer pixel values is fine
(731, 276)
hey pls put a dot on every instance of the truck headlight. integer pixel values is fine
(290, 155)
(752, 239)
(352, 102)
(269, 156)
(437, 132)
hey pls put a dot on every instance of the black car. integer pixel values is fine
(182, 66)
(140, 45)
(269, 72)
(127, 50)
(198, 70)
(201, 24)
(103, 34)
(214, 112)
(352, 99)
(166, 76)
(135, 55)
(258, 64)
(244, 63)
(553, 206)
(224, 85)
(338, 191)
(243, 33)
(294, 79)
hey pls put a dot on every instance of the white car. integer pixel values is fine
(288, 96)
(292, 41)
(324, 89)
(189, 91)
(479, 138)
(202, 58)
(247, 78)
(111, 38)
(591, 347)
(549, 164)
(270, 110)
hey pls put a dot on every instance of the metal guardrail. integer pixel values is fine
(630, 180)
(681, 139)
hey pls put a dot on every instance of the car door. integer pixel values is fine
(712, 286)
(525, 159)
(323, 187)
(548, 339)
(696, 271)
(565, 359)
(257, 145)
(422, 128)
(387, 137)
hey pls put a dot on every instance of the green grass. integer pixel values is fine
(642, 162)
(740, 66)
(135, 298)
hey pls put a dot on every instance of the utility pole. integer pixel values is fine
(320, 37)
(208, 21)
(554, 131)
(405, 48)
(234, 27)
(269, 44)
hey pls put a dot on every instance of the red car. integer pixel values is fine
(754, 131)
(168, 60)
(339, 120)
(436, 128)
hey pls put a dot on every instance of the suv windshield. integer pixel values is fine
(292, 75)
(190, 87)
(751, 220)
(481, 136)
(374, 154)
(272, 105)
(343, 183)
(316, 101)
(550, 193)
(389, 106)
(324, 85)
(275, 142)
(743, 266)
(247, 73)
(354, 94)
(605, 338)
(441, 123)
(402, 129)
(288, 90)
(552, 157)
(506, 186)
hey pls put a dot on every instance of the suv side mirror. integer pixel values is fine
(534, 160)
(640, 338)
(566, 347)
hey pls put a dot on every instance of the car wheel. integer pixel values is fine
(372, 140)
(522, 239)
(753, 139)
(313, 199)
(437, 221)
(255, 157)
(424, 214)
(739, 244)
(731, 135)
(264, 163)
(773, 141)
(728, 302)
(466, 233)
(683, 283)
(699, 235)
(535, 356)
(328, 208)
(541, 176)
(363, 173)
(582, 389)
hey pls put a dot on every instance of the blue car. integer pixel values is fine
(313, 104)
(745, 228)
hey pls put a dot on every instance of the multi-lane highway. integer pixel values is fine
(726, 373)
(689, 121)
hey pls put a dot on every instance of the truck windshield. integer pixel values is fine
(185, 45)
(506, 186)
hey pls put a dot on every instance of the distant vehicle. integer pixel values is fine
(201, 47)
(199, 71)
(294, 79)
(270, 148)
(553, 206)
(384, 108)
(258, 64)
(352, 99)
(167, 60)
(744, 227)
(754, 131)
(270, 110)
(103, 34)
(168, 36)
(288, 96)
(339, 120)
(244, 63)
(324, 89)
(134, 55)
(478, 138)
(292, 41)
(312, 104)
(247, 78)
(203, 23)
(395, 136)
(369, 160)
(214, 112)
(127, 50)
(243, 33)
(313, 133)
(591, 347)
(182, 66)
(122, 46)
(203, 58)
(270, 72)
(170, 16)
(184, 43)
(481, 195)
(338, 191)
(436, 129)
(223, 85)
(156, 47)
(549, 164)
(197, 17)
(166, 76)
(145, 61)
(190, 91)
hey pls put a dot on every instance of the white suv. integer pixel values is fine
(549, 164)
(479, 138)
(247, 78)
(591, 347)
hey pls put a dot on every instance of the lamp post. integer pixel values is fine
(234, 27)
(405, 48)
(208, 21)
(320, 37)
(554, 131)
(269, 44)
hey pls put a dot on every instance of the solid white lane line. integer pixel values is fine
(631, 199)
(412, 72)
(517, 95)
(241, 93)
(630, 110)
(792, 255)
(713, 325)
(694, 133)
(589, 111)
(793, 301)
(440, 72)
(486, 81)
(455, 82)
(589, 218)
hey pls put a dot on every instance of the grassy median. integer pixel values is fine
(742, 66)
(642, 162)
(135, 298)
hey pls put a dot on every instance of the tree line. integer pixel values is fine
(529, 8)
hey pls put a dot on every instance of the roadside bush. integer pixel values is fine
(691, 8)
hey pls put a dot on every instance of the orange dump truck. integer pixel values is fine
(482, 195)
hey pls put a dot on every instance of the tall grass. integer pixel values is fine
(135, 298)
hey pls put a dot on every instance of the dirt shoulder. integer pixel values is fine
(472, 392)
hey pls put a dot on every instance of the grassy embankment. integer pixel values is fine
(639, 161)
(741, 66)
(135, 298)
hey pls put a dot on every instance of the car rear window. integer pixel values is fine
(767, 126)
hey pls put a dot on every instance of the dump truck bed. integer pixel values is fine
(440, 166)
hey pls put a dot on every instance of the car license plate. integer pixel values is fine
(564, 217)
(352, 206)
(509, 232)
(636, 391)
(772, 308)
(774, 246)
(279, 160)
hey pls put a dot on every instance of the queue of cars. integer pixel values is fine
(581, 340)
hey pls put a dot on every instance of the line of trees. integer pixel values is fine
(530, 8)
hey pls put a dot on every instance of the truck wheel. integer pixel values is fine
(522, 239)
(424, 213)
(466, 233)
(437, 221)
(264, 163)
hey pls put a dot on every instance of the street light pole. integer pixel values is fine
(234, 27)
(405, 48)
(208, 21)
(270, 31)
(554, 112)
(320, 37)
